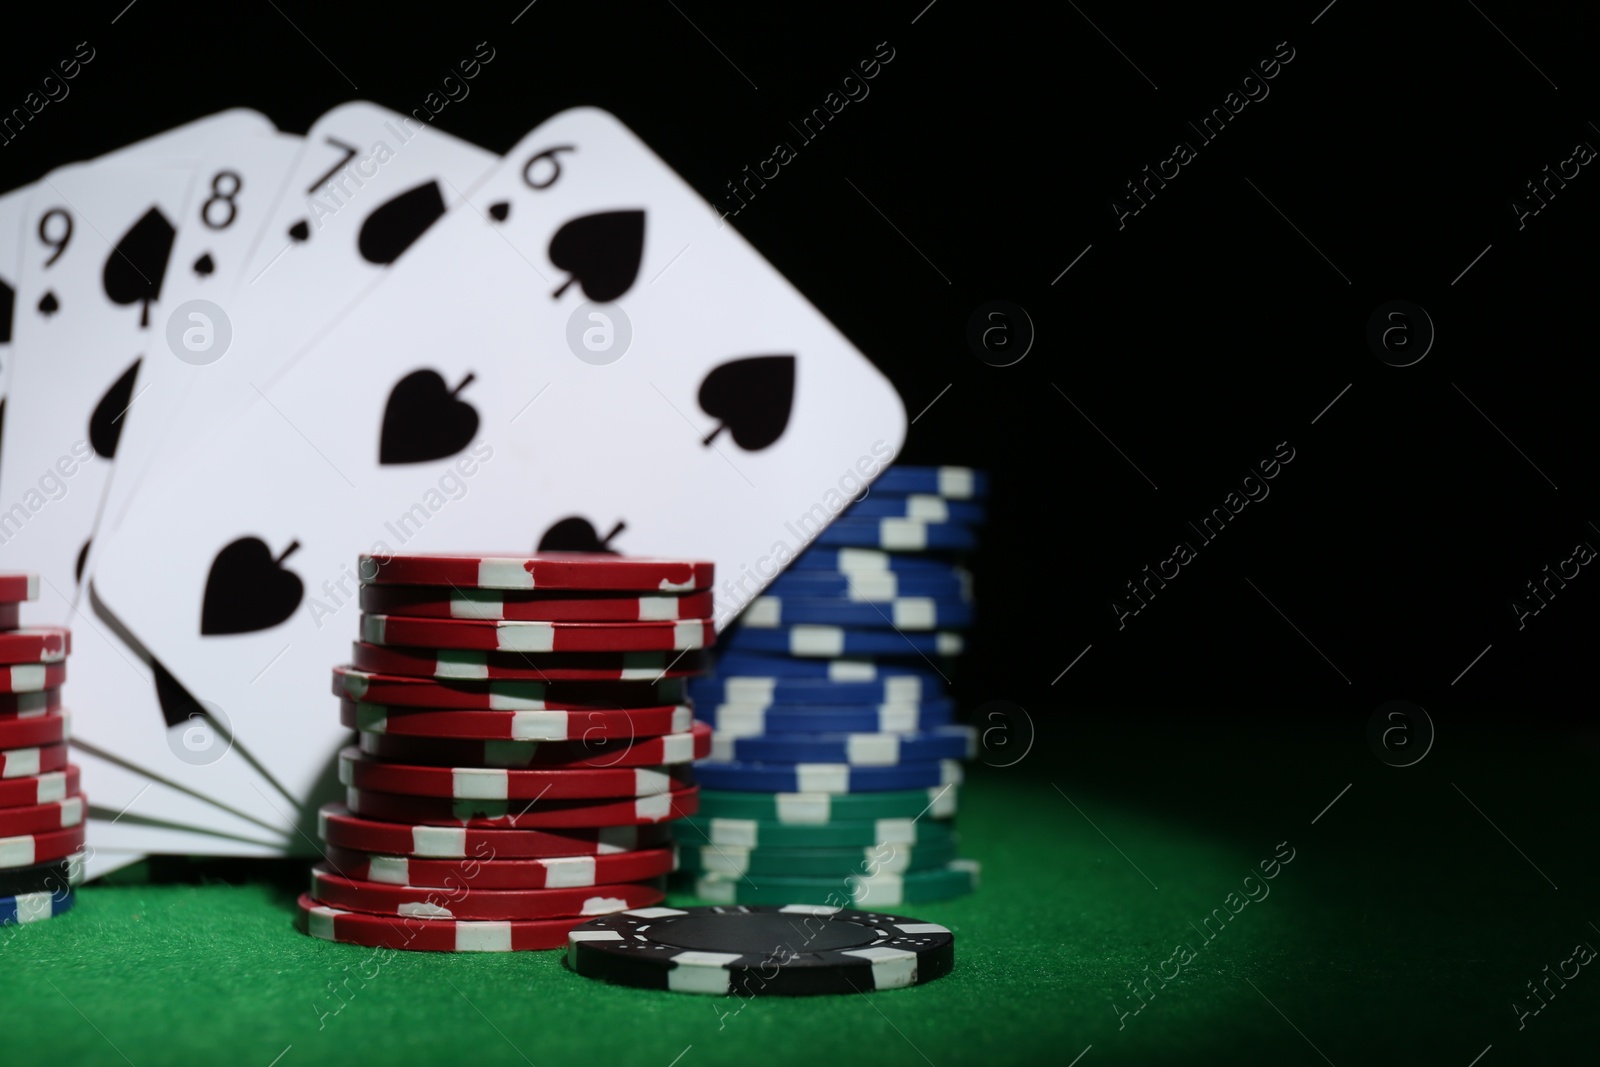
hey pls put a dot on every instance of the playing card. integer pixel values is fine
(158, 728)
(356, 178)
(473, 401)
(240, 179)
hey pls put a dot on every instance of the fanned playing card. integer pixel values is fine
(322, 227)
(581, 345)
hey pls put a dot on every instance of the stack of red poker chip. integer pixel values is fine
(41, 809)
(524, 739)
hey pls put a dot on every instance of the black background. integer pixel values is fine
(1208, 329)
(1196, 337)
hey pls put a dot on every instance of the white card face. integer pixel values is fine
(96, 241)
(91, 281)
(448, 412)
(239, 180)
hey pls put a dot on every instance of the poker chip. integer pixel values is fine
(31, 677)
(535, 637)
(478, 874)
(751, 833)
(755, 720)
(437, 602)
(844, 669)
(475, 904)
(39, 788)
(825, 777)
(760, 685)
(56, 876)
(640, 752)
(597, 725)
(586, 571)
(884, 889)
(855, 749)
(36, 644)
(42, 818)
(431, 935)
(952, 483)
(925, 506)
(838, 641)
(905, 613)
(516, 814)
(817, 809)
(28, 850)
(10, 616)
(522, 666)
(897, 535)
(39, 702)
(34, 907)
(32, 761)
(18, 585)
(792, 950)
(869, 586)
(856, 562)
(31, 730)
(340, 828)
(366, 773)
(504, 696)
(726, 860)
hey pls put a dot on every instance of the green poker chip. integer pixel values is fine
(756, 834)
(935, 802)
(882, 890)
(731, 860)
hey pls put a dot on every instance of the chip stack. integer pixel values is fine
(524, 739)
(41, 809)
(835, 758)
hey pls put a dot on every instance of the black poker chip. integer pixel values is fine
(794, 950)
(55, 877)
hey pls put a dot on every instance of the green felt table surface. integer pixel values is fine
(1405, 927)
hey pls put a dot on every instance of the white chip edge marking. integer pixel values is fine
(496, 572)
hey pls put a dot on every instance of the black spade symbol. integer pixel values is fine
(424, 420)
(574, 534)
(500, 211)
(300, 231)
(392, 227)
(204, 266)
(48, 304)
(8, 306)
(136, 266)
(177, 706)
(83, 557)
(752, 397)
(247, 590)
(105, 425)
(602, 252)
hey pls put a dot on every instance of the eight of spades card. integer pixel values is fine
(366, 183)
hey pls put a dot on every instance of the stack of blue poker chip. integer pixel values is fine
(836, 754)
